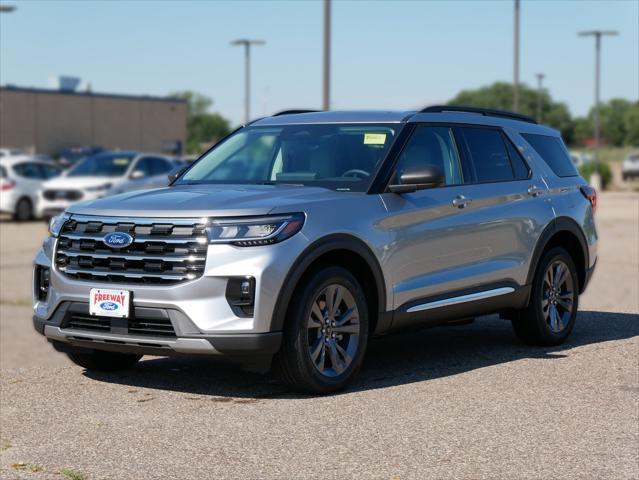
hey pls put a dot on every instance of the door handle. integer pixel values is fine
(460, 201)
(534, 191)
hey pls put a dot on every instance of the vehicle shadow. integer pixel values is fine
(390, 361)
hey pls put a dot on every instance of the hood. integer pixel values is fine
(206, 200)
(78, 183)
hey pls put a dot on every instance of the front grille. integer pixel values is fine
(144, 321)
(161, 327)
(163, 251)
(86, 322)
(71, 195)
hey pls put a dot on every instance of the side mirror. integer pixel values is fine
(418, 178)
(176, 172)
(137, 174)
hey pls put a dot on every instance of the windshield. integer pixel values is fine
(340, 157)
(102, 165)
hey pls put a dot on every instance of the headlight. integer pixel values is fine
(98, 188)
(254, 231)
(56, 224)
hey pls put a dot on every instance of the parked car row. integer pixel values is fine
(31, 187)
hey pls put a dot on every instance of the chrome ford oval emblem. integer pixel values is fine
(109, 306)
(117, 240)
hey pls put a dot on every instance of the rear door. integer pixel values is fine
(510, 202)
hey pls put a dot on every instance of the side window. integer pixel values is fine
(49, 171)
(554, 153)
(432, 146)
(160, 166)
(28, 170)
(144, 165)
(520, 167)
(488, 155)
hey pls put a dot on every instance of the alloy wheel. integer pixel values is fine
(558, 296)
(333, 328)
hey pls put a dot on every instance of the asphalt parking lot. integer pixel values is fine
(454, 402)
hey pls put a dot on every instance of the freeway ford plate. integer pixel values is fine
(109, 303)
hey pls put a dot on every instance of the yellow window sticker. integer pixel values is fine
(374, 138)
(121, 161)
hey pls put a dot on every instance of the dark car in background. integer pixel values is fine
(69, 156)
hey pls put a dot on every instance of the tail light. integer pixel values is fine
(591, 194)
(7, 185)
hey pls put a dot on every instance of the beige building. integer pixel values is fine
(46, 121)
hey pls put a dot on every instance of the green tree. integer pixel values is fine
(203, 128)
(619, 122)
(631, 123)
(499, 95)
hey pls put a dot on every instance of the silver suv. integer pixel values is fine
(302, 235)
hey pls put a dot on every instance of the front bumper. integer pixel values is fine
(186, 341)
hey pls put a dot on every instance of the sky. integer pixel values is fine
(385, 54)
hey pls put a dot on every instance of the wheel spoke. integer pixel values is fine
(345, 317)
(351, 328)
(321, 365)
(566, 303)
(317, 348)
(319, 318)
(560, 323)
(544, 305)
(335, 360)
(343, 353)
(549, 277)
(336, 300)
(560, 275)
(553, 318)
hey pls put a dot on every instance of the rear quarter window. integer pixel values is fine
(554, 153)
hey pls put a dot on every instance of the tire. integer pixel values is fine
(103, 361)
(318, 355)
(555, 287)
(23, 211)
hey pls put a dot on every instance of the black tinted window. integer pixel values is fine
(49, 171)
(160, 166)
(554, 153)
(27, 170)
(519, 164)
(488, 155)
(144, 165)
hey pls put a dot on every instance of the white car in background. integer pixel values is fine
(579, 159)
(21, 178)
(101, 175)
(630, 166)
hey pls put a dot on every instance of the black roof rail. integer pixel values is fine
(488, 112)
(293, 112)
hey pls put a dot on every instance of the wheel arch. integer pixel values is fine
(346, 251)
(563, 232)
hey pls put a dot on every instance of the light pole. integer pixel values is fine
(7, 8)
(516, 59)
(540, 78)
(246, 43)
(597, 34)
(326, 83)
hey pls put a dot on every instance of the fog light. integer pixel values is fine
(43, 281)
(240, 293)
